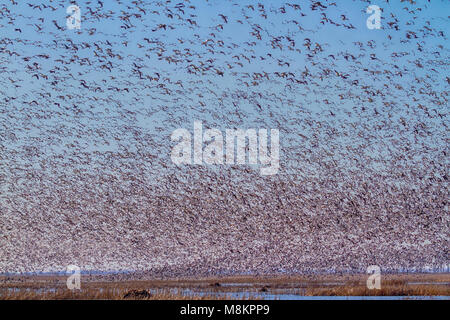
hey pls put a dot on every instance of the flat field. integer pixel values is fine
(119, 287)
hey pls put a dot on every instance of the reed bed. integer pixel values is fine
(98, 288)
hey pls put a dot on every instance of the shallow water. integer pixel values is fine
(247, 290)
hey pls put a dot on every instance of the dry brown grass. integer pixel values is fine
(93, 294)
(386, 290)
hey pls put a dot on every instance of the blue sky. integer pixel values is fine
(284, 105)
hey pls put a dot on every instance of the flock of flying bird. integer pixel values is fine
(86, 117)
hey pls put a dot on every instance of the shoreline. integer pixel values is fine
(235, 287)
